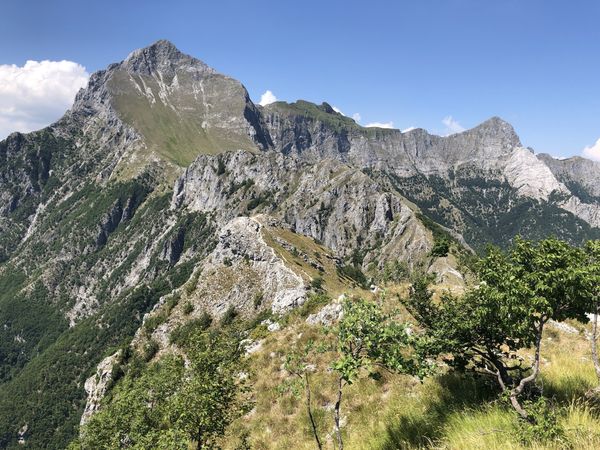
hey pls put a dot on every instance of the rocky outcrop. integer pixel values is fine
(243, 266)
(338, 205)
(97, 384)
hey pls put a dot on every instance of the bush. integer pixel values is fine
(153, 322)
(150, 349)
(258, 299)
(317, 283)
(544, 424)
(188, 308)
(395, 271)
(180, 335)
(354, 273)
(313, 303)
(441, 247)
(229, 315)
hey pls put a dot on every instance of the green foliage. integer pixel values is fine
(368, 338)
(317, 283)
(229, 316)
(314, 302)
(152, 322)
(395, 272)
(258, 200)
(353, 273)
(181, 335)
(440, 248)
(188, 308)
(150, 349)
(544, 426)
(169, 405)
(519, 292)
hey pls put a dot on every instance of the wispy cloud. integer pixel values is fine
(592, 152)
(406, 130)
(356, 116)
(380, 125)
(38, 93)
(267, 98)
(452, 125)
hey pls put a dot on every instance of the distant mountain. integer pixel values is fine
(165, 180)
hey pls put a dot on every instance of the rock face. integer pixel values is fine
(97, 384)
(241, 267)
(165, 181)
(331, 202)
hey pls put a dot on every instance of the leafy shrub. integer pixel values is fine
(153, 322)
(188, 308)
(259, 332)
(258, 299)
(317, 283)
(354, 273)
(229, 316)
(395, 271)
(150, 349)
(313, 303)
(543, 425)
(441, 247)
(180, 335)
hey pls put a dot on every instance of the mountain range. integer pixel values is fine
(165, 185)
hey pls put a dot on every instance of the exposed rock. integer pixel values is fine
(97, 384)
(327, 316)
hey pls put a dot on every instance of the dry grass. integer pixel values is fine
(391, 412)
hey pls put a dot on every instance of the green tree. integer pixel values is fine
(519, 292)
(170, 404)
(134, 414)
(212, 394)
(592, 262)
(369, 339)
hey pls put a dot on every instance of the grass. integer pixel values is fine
(448, 411)
(298, 250)
(177, 137)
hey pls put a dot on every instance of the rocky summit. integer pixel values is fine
(165, 194)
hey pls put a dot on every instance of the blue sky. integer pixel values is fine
(534, 63)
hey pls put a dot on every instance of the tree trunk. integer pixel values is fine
(594, 339)
(310, 415)
(337, 415)
(514, 393)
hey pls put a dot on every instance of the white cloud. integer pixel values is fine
(356, 117)
(592, 152)
(37, 94)
(406, 130)
(267, 98)
(380, 125)
(452, 125)
(338, 110)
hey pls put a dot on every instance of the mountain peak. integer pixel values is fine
(496, 127)
(162, 56)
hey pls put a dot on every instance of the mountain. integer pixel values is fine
(165, 185)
